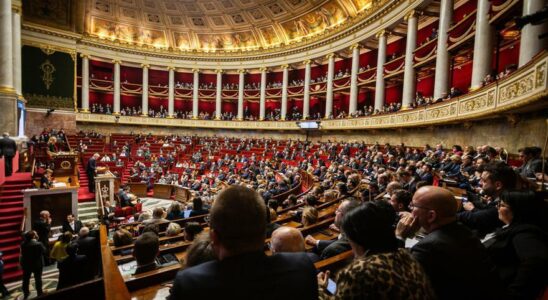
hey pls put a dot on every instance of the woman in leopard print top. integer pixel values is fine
(380, 270)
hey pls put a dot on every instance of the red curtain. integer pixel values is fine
(393, 94)
(229, 106)
(462, 76)
(464, 10)
(426, 85)
(206, 106)
(425, 32)
(156, 77)
(131, 74)
(130, 101)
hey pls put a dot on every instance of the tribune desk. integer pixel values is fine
(58, 201)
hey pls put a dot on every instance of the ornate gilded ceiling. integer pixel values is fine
(218, 25)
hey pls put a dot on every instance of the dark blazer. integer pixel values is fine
(88, 246)
(91, 167)
(8, 147)
(73, 270)
(249, 276)
(520, 252)
(327, 249)
(458, 264)
(32, 255)
(77, 226)
(483, 221)
(43, 229)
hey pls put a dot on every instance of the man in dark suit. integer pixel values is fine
(88, 246)
(8, 149)
(91, 169)
(32, 253)
(329, 248)
(72, 225)
(455, 260)
(237, 231)
(74, 269)
(42, 226)
(108, 213)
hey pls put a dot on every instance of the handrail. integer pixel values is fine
(22, 227)
(115, 287)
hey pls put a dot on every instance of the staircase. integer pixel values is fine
(83, 193)
(87, 212)
(11, 216)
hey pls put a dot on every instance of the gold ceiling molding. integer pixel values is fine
(350, 26)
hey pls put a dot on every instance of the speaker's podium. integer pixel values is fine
(61, 199)
(106, 185)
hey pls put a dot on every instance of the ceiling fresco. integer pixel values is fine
(218, 25)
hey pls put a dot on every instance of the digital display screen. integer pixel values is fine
(309, 125)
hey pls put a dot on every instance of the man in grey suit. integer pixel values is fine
(8, 149)
(243, 270)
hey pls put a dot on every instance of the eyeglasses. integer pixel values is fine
(412, 205)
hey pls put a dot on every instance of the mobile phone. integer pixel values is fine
(331, 286)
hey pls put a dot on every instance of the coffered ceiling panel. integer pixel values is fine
(215, 25)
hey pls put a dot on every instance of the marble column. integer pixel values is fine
(219, 94)
(329, 87)
(16, 46)
(381, 60)
(285, 83)
(483, 45)
(8, 95)
(353, 105)
(409, 79)
(306, 89)
(171, 93)
(262, 103)
(144, 100)
(441, 79)
(530, 43)
(85, 83)
(241, 84)
(116, 105)
(6, 48)
(195, 88)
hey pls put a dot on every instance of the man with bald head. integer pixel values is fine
(289, 239)
(454, 259)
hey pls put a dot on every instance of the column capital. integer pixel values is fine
(411, 14)
(355, 46)
(219, 71)
(16, 6)
(84, 55)
(196, 70)
(381, 33)
(330, 55)
(145, 66)
(241, 71)
(285, 67)
(307, 62)
(263, 69)
(170, 68)
(116, 61)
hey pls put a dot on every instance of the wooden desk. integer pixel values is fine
(139, 189)
(163, 191)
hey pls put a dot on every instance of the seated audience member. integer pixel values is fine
(143, 217)
(495, 178)
(157, 216)
(145, 250)
(192, 229)
(174, 211)
(400, 200)
(532, 161)
(46, 181)
(125, 199)
(237, 222)
(151, 227)
(198, 207)
(58, 251)
(72, 225)
(331, 248)
(121, 238)
(200, 251)
(520, 249)
(449, 245)
(310, 216)
(108, 213)
(173, 229)
(270, 224)
(289, 239)
(379, 270)
(73, 269)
